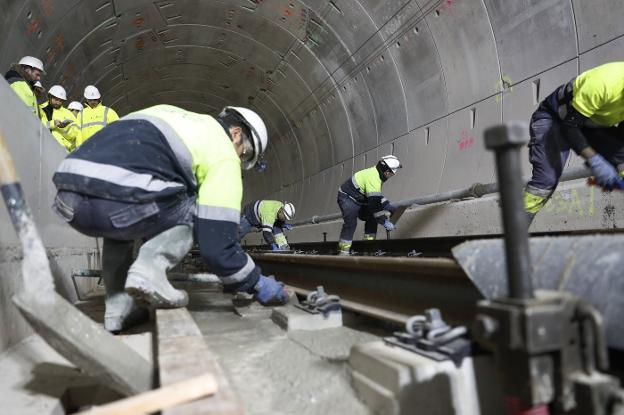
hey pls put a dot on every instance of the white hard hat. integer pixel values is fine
(91, 92)
(38, 84)
(32, 62)
(258, 131)
(289, 210)
(390, 162)
(58, 92)
(75, 105)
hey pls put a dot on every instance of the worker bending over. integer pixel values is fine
(22, 77)
(271, 217)
(584, 115)
(95, 115)
(160, 175)
(360, 197)
(60, 121)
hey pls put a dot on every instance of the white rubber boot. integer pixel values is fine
(147, 279)
(122, 311)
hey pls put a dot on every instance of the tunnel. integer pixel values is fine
(339, 83)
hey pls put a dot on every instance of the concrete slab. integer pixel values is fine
(394, 381)
(276, 372)
(292, 318)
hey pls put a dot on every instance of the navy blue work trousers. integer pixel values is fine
(123, 221)
(351, 212)
(549, 150)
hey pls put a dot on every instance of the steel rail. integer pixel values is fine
(388, 288)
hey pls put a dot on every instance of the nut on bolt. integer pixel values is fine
(510, 134)
(485, 326)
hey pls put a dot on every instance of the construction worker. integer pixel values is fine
(22, 77)
(271, 217)
(360, 197)
(584, 115)
(75, 107)
(61, 122)
(161, 174)
(95, 115)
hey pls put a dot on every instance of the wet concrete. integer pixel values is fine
(275, 372)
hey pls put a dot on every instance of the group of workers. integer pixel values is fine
(70, 126)
(171, 177)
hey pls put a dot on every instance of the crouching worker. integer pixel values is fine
(587, 116)
(162, 175)
(360, 197)
(271, 217)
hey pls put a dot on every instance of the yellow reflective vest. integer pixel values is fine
(93, 120)
(67, 136)
(599, 94)
(26, 94)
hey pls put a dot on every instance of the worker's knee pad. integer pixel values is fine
(534, 203)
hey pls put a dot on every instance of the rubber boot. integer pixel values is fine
(147, 279)
(122, 311)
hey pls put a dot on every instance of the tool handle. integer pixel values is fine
(8, 174)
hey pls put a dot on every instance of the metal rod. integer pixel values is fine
(477, 190)
(506, 141)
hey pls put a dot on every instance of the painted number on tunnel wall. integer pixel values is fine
(568, 202)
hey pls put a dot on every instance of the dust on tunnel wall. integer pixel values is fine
(339, 82)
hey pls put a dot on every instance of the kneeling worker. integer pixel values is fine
(163, 174)
(587, 116)
(360, 197)
(271, 217)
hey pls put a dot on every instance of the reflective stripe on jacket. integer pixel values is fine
(93, 120)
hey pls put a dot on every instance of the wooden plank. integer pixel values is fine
(182, 352)
(162, 398)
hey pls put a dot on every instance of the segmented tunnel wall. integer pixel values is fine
(339, 83)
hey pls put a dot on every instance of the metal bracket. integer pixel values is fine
(84, 273)
(431, 337)
(319, 302)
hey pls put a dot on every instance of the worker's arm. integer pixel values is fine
(216, 226)
(111, 116)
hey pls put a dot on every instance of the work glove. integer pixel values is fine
(388, 225)
(287, 227)
(275, 247)
(270, 292)
(606, 175)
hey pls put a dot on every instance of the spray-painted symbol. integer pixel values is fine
(504, 86)
(465, 141)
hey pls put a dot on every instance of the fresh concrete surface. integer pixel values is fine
(274, 371)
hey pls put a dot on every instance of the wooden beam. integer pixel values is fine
(182, 352)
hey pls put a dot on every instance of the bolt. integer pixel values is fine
(485, 326)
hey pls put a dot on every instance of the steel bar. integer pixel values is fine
(396, 287)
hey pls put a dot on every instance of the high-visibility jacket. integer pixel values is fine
(598, 94)
(23, 90)
(66, 136)
(262, 214)
(165, 152)
(93, 120)
(364, 187)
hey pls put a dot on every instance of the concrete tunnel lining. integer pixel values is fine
(339, 83)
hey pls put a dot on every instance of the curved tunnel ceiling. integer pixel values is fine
(338, 82)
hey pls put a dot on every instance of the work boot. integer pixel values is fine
(122, 311)
(344, 247)
(147, 279)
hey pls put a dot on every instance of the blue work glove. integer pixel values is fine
(287, 227)
(269, 291)
(275, 247)
(388, 225)
(606, 175)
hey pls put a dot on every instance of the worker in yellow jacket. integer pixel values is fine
(60, 121)
(95, 115)
(585, 115)
(22, 77)
(162, 174)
